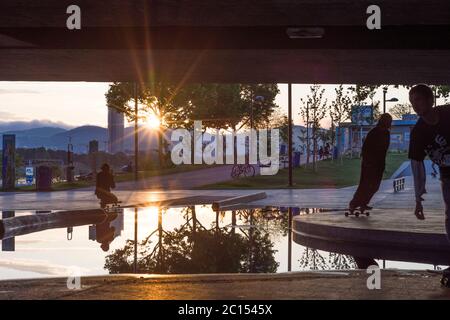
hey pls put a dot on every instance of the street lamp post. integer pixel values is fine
(136, 141)
(290, 179)
(307, 133)
(388, 100)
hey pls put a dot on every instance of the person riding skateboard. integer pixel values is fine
(374, 151)
(430, 137)
(105, 181)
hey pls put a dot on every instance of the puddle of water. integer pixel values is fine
(155, 240)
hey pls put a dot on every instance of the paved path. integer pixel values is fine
(182, 180)
(305, 198)
(395, 285)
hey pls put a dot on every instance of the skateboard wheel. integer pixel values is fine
(367, 214)
(357, 214)
(346, 214)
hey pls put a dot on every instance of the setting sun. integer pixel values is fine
(153, 121)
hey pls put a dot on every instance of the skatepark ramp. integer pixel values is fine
(389, 234)
(405, 169)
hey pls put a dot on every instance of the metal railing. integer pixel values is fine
(399, 184)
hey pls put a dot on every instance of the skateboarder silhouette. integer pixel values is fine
(430, 137)
(374, 151)
(105, 181)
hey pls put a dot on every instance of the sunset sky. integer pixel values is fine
(81, 103)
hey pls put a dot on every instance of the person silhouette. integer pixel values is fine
(104, 183)
(430, 137)
(373, 163)
(105, 232)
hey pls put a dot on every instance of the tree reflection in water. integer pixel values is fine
(314, 260)
(192, 248)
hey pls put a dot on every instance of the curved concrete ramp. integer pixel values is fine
(391, 234)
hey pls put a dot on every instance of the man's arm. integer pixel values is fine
(418, 170)
(417, 155)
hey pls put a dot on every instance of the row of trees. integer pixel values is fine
(219, 106)
(314, 108)
(229, 107)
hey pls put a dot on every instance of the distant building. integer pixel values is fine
(351, 135)
(115, 131)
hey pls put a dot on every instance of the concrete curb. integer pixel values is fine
(217, 205)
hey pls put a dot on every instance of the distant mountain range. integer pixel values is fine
(25, 125)
(57, 138)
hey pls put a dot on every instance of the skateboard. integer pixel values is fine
(111, 206)
(356, 212)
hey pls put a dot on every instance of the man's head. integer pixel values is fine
(105, 246)
(385, 121)
(105, 167)
(422, 98)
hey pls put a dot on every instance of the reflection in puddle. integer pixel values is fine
(186, 240)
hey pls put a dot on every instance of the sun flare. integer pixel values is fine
(153, 122)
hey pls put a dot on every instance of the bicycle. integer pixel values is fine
(247, 170)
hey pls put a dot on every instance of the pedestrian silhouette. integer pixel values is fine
(373, 163)
(105, 181)
(105, 232)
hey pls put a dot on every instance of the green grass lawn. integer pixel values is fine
(119, 177)
(329, 174)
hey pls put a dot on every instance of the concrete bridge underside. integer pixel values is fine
(226, 41)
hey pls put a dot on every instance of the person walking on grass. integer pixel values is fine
(430, 137)
(373, 162)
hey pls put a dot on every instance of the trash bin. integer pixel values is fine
(335, 152)
(296, 160)
(43, 178)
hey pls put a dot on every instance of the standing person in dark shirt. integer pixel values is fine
(373, 162)
(430, 137)
(105, 181)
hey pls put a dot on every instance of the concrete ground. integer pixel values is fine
(304, 198)
(395, 284)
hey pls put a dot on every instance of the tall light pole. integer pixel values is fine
(290, 132)
(136, 142)
(388, 100)
(307, 133)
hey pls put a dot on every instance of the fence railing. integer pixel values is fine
(399, 184)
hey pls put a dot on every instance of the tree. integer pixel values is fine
(262, 109)
(341, 108)
(440, 91)
(400, 109)
(313, 110)
(280, 121)
(361, 93)
(218, 106)
(164, 101)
